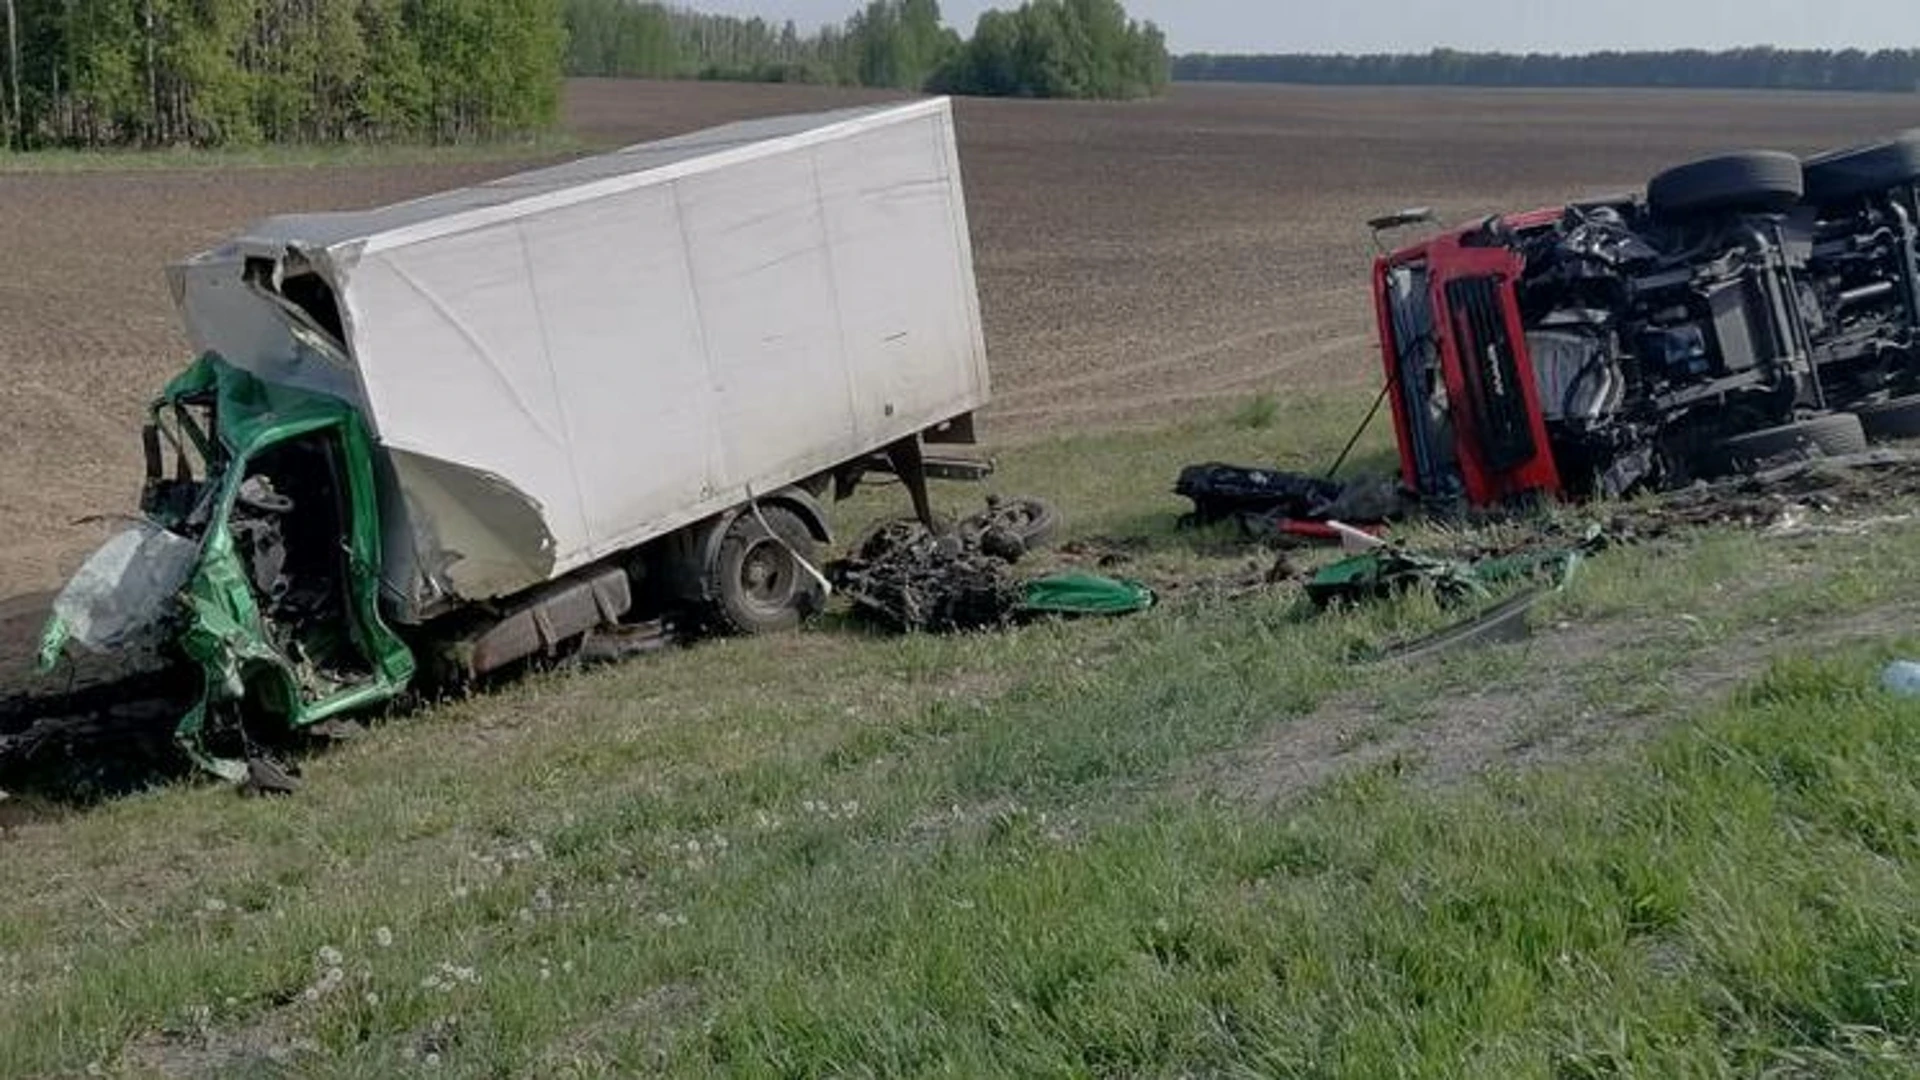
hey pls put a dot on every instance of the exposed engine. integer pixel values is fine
(1637, 328)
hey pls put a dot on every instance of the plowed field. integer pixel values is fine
(1136, 261)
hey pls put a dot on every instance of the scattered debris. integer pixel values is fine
(1009, 528)
(1902, 677)
(94, 741)
(268, 777)
(1085, 594)
(907, 577)
(1504, 623)
(1850, 490)
(1269, 503)
(1392, 569)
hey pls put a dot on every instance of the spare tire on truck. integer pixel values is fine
(1757, 181)
(1827, 436)
(1841, 175)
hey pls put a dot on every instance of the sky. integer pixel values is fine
(1419, 25)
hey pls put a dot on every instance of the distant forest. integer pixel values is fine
(1895, 70)
(87, 73)
(1044, 48)
(217, 72)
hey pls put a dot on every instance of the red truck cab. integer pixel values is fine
(1465, 400)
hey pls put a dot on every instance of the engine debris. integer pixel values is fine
(909, 578)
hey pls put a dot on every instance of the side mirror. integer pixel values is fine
(1419, 215)
(150, 446)
(1400, 219)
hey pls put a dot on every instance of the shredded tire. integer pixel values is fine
(1032, 522)
(1758, 181)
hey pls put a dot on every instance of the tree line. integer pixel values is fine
(1895, 70)
(209, 72)
(893, 43)
(213, 72)
(1059, 49)
(1044, 48)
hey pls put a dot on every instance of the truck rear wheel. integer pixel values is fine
(1840, 175)
(1828, 436)
(1762, 181)
(1898, 418)
(756, 582)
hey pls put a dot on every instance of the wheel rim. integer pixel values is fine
(767, 576)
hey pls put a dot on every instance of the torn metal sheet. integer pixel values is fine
(121, 597)
(476, 534)
(1391, 570)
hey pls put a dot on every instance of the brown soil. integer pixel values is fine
(1135, 260)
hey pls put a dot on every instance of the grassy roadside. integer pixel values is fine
(293, 156)
(1020, 854)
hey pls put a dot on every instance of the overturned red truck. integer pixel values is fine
(1748, 306)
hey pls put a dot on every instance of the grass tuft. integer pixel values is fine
(1257, 413)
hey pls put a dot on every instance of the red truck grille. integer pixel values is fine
(1497, 396)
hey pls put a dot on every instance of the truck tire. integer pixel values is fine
(1841, 175)
(1029, 522)
(1898, 418)
(1831, 436)
(756, 583)
(1761, 181)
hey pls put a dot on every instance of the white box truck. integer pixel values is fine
(470, 428)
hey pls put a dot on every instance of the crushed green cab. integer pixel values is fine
(270, 524)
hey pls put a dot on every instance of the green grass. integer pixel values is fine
(1020, 854)
(1258, 412)
(292, 156)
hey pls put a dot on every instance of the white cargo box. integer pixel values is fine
(562, 364)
